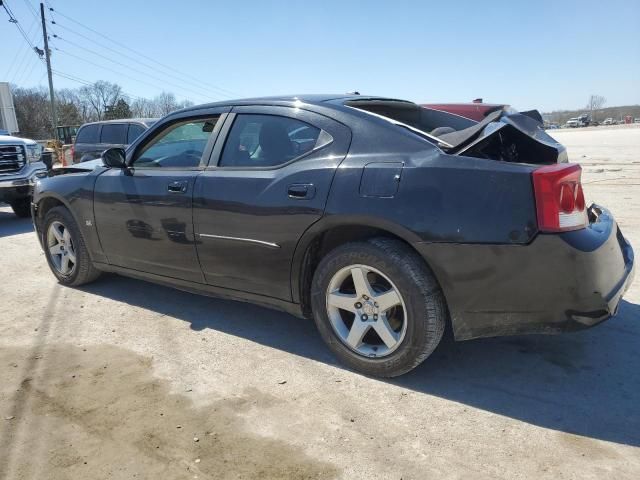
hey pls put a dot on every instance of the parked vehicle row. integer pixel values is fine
(379, 218)
(94, 138)
(585, 121)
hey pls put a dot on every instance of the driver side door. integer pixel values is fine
(143, 213)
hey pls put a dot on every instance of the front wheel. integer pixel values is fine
(64, 247)
(21, 207)
(378, 306)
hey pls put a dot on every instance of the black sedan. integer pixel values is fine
(383, 220)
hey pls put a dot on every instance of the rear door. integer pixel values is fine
(113, 135)
(267, 182)
(87, 145)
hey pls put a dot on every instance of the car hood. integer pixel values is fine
(10, 140)
(90, 165)
(83, 167)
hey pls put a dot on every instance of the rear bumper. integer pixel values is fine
(557, 283)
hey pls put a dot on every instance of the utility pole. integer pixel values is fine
(54, 117)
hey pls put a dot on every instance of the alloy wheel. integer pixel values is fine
(61, 248)
(366, 311)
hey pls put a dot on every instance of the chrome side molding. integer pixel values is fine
(237, 239)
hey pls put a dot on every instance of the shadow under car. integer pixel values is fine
(585, 383)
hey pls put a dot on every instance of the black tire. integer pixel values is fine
(425, 315)
(84, 271)
(21, 207)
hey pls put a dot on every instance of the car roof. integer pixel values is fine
(306, 98)
(123, 120)
(310, 99)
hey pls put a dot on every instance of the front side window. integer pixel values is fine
(114, 133)
(180, 145)
(267, 141)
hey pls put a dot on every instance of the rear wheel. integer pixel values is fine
(21, 207)
(64, 247)
(378, 306)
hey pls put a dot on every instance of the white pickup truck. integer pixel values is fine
(20, 162)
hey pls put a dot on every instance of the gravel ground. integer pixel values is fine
(125, 379)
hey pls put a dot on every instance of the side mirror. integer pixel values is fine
(114, 158)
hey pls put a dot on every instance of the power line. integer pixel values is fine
(22, 66)
(205, 90)
(46, 2)
(71, 77)
(83, 81)
(109, 69)
(200, 94)
(21, 55)
(168, 68)
(31, 9)
(24, 78)
(14, 20)
(27, 66)
(18, 78)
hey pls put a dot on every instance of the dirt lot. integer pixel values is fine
(124, 379)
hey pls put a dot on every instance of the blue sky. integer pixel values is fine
(531, 54)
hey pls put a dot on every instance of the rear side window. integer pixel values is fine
(267, 141)
(135, 131)
(88, 134)
(114, 133)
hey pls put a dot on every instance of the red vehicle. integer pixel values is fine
(475, 110)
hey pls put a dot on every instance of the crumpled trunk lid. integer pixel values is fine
(515, 138)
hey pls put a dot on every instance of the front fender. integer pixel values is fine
(75, 192)
(41, 201)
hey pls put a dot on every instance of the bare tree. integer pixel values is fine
(99, 96)
(32, 111)
(596, 102)
(185, 104)
(165, 103)
(159, 106)
(85, 104)
(71, 110)
(83, 108)
(143, 108)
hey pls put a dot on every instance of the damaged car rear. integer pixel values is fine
(379, 218)
(511, 241)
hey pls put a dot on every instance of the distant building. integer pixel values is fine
(8, 120)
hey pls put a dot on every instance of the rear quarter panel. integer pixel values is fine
(443, 198)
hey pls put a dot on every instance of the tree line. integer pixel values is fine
(99, 101)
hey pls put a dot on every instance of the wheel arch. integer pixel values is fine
(46, 203)
(329, 233)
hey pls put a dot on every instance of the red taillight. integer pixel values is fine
(559, 198)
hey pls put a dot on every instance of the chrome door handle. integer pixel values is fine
(177, 187)
(301, 191)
